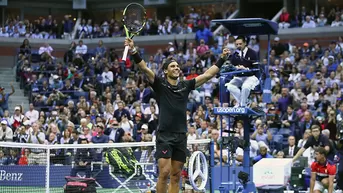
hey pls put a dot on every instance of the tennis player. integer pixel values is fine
(172, 95)
(323, 173)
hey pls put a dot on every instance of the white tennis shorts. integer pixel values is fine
(319, 186)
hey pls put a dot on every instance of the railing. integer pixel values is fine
(277, 16)
(77, 24)
(233, 15)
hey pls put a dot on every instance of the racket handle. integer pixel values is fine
(126, 50)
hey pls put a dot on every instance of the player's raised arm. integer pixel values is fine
(139, 61)
(211, 72)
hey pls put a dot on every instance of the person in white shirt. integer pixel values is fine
(37, 156)
(21, 28)
(337, 22)
(321, 20)
(81, 48)
(6, 133)
(37, 35)
(107, 76)
(17, 117)
(45, 51)
(3, 33)
(309, 23)
(147, 110)
(240, 152)
(15, 33)
(312, 97)
(32, 114)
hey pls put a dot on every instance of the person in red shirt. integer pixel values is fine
(323, 173)
(193, 74)
(284, 19)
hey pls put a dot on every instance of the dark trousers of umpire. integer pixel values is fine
(86, 169)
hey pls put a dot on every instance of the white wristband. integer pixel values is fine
(133, 50)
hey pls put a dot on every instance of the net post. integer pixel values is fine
(47, 171)
(211, 165)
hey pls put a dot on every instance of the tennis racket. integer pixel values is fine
(134, 19)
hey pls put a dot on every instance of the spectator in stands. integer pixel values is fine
(4, 99)
(309, 23)
(36, 35)
(292, 149)
(121, 111)
(83, 29)
(45, 51)
(107, 77)
(37, 156)
(75, 137)
(67, 27)
(100, 137)
(143, 94)
(17, 119)
(315, 140)
(25, 48)
(81, 49)
(32, 114)
(337, 22)
(284, 19)
(285, 100)
(321, 20)
(66, 137)
(278, 47)
(83, 159)
(4, 33)
(100, 50)
(12, 158)
(126, 124)
(203, 34)
(6, 133)
(263, 154)
(262, 134)
(3, 158)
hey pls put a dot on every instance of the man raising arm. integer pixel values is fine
(172, 96)
(317, 139)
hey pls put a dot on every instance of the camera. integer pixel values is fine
(232, 143)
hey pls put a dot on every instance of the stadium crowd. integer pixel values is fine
(306, 18)
(95, 97)
(53, 28)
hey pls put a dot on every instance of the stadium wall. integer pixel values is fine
(34, 176)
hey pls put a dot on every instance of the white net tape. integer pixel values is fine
(102, 168)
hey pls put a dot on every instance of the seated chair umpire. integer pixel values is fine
(243, 59)
(83, 159)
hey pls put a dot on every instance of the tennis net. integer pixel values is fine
(101, 168)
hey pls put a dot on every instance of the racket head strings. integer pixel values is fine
(134, 17)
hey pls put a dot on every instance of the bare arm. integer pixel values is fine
(300, 152)
(313, 181)
(253, 136)
(12, 89)
(269, 135)
(331, 180)
(141, 65)
(211, 72)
